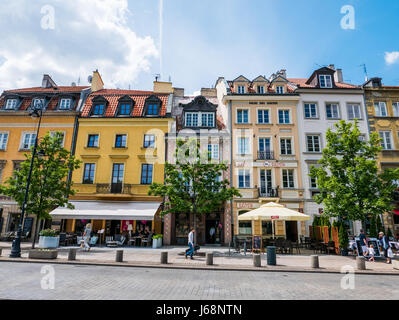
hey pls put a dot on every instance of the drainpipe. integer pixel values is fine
(231, 170)
(73, 146)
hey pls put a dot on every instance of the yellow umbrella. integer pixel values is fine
(273, 211)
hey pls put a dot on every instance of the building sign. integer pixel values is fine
(265, 164)
(275, 217)
(247, 205)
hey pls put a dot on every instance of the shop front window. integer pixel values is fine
(182, 227)
(13, 221)
(267, 228)
(244, 227)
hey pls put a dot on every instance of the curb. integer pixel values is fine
(196, 267)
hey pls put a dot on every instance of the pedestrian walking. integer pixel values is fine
(384, 242)
(363, 243)
(86, 236)
(190, 250)
(371, 253)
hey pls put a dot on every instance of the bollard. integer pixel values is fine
(72, 254)
(257, 262)
(314, 261)
(1, 251)
(119, 256)
(164, 257)
(209, 258)
(271, 255)
(361, 263)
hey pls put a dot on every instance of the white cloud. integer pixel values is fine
(195, 93)
(88, 35)
(391, 57)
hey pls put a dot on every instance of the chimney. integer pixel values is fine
(178, 92)
(96, 82)
(338, 77)
(283, 73)
(47, 82)
(163, 87)
(331, 66)
(208, 92)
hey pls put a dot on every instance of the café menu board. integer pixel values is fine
(27, 225)
(256, 242)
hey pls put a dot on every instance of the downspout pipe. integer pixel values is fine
(231, 170)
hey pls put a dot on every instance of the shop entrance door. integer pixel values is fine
(291, 230)
(212, 231)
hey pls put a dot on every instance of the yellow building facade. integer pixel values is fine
(18, 131)
(382, 104)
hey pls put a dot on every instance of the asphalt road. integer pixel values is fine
(25, 281)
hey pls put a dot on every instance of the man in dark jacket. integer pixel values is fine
(384, 242)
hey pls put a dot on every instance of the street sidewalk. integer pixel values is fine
(148, 257)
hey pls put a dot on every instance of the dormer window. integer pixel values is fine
(65, 104)
(38, 103)
(241, 89)
(199, 119)
(152, 109)
(261, 89)
(124, 109)
(325, 81)
(153, 106)
(98, 109)
(125, 106)
(280, 89)
(11, 104)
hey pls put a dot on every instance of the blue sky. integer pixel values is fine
(202, 40)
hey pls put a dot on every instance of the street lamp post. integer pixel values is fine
(16, 244)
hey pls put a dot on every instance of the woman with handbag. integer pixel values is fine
(384, 242)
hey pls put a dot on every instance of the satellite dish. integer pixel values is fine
(89, 79)
(73, 84)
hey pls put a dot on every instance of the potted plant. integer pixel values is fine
(43, 254)
(49, 239)
(157, 241)
(343, 239)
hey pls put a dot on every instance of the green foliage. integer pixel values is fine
(343, 236)
(48, 233)
(389, 233)
(373, 227)
(158, 236)
(379, 224)
(192, 184)
(347, 177)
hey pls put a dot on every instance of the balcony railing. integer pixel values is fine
(113, 188)
(265, 155)
(268, 193)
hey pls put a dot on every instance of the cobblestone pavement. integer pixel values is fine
(222, 258)
(23, 281)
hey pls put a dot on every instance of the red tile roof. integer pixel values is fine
(27, 95)
(113, 96)
(302, 83)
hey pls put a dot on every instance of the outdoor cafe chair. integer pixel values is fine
(146, 241)
(330, 247)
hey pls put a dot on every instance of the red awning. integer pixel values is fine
(396, 212)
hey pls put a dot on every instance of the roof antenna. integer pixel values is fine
(365, 71)
(157, 76)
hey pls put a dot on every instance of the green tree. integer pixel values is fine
(193, 184)
(379, 224)
(347, 176)
(343, 236)
(48, 185)
(373, 226)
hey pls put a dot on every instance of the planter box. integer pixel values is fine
(49, 242)
(43, 254)
(156, 243)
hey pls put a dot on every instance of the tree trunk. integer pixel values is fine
(35, 233)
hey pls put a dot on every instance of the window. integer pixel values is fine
(146, 174)
(310, 110)
(243, 179)
(11, 104)
(38, 103)
(354, 111)
(243, 145)
(313, 143)
(207, 119)
(191, 119)
(241, 89)
(386, 142)
(65, 104)
(124, 109)
(242, 116)
(395, 107)
(28, 140)
(98, 109)
(3, 140)
(263, 116)
(285, 146)
(118, 170)
(284, 116)
(288, 178)
(325, 81)
(120, 141)
(152, 109)
(88, 173)
(213, 149)
(264, 144)
(53, 133)
(261, 89)
(149, 141)
(267, 228)
(280, 89)
(313, 184)
(92, 141)
(380, 109)
(332, 111)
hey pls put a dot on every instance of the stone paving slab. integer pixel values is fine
(148, 257)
